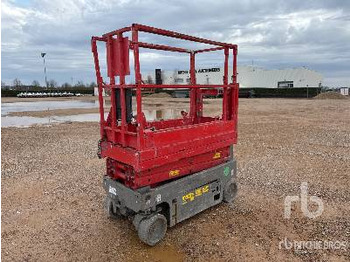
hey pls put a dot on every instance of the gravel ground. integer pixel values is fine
(52, 194)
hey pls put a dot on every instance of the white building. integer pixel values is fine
(96, 91)
(344, 91)
(248, 76)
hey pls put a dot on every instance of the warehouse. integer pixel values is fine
(248, 76)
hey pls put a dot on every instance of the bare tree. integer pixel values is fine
(92, 85)
(17, 83)
(80, 84)
(52, 83)
(36, 83)
(149, 79)
(66, 85)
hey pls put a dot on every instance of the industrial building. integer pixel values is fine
(344, 91)
(248, 77)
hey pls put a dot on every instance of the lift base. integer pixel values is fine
(154, 209)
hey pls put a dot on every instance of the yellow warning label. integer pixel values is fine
(174, 173)
(217, 155)
(196, 193)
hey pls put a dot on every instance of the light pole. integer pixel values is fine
(43, 56)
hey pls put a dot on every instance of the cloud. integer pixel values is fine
(273, 34)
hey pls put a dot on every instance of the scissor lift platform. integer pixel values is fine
(148, 156)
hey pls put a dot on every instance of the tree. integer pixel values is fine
(92, 85)
(17, 83)
(66, 85)
(52, 83)
(36, 83)
(80, 84)
(149, 80)
(3, 84)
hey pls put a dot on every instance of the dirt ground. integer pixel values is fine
(52, 194)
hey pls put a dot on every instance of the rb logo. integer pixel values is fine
(304, 205)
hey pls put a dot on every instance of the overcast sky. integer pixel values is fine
(270, 34)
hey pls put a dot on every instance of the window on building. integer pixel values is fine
(207, 79)
(285, 84)
(179, 80)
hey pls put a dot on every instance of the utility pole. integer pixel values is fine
(43, 56)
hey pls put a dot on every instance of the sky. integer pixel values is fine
(271, 34)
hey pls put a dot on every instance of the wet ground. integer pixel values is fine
(43, 112)
(40, 105)
(52, 194)
(10, 119)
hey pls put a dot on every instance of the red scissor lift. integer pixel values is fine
(148, 157)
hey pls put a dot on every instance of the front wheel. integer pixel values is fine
(152, 230)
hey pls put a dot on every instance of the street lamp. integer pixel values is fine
(43, 56)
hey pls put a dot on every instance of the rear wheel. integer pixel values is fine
(152, 230)
(230, 192)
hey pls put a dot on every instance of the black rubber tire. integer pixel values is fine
(109, 209)
(137, 220)
(152, 230)
(230, 192)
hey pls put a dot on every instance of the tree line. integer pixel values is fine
(51, 85)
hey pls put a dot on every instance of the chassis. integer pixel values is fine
(152, 210)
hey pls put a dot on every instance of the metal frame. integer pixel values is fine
(146, 145)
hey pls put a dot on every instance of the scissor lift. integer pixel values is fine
(162, 172)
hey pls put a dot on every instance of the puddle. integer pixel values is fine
(78, 118)
(7, 108)
(26, 121)
(164, 114)
(22, 121)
